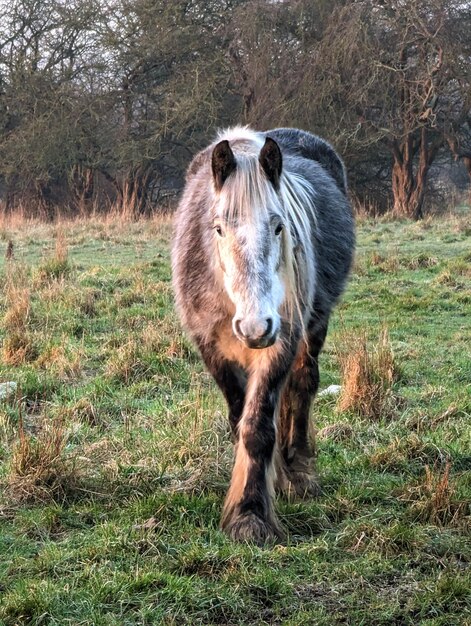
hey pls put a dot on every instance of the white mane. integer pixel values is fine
(241, 133)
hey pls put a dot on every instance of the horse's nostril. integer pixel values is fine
(269, 323)
(238, 328)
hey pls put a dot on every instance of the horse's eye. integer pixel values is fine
(219, 230)
(278, 229)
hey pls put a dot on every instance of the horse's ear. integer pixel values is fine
(223, 163)
(271, 161)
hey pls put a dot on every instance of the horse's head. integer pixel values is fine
(250, 236)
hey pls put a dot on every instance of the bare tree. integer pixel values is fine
(45, 54)
(396, 74)
(167, 79)
(120, 92)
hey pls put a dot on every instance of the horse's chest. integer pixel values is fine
(234, 350)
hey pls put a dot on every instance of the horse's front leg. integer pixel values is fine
(249, 513)
(230, 379)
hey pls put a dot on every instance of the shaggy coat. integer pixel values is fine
(263, 244)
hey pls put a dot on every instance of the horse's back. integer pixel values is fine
(309, 146)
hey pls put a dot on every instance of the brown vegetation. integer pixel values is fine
(368, 375)
(57, 265)
(404, 452)
(40, 469)
(336, 432)
(57, 358)
(433, 499)
(18, 346)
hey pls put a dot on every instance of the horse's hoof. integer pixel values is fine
(304, 485)
(249, 528)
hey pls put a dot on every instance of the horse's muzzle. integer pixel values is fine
(256, 334)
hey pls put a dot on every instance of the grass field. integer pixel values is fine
(115, 453)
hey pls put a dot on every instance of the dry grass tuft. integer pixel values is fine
(16, 293)
(446, 278)
(432, 499)
(368, 375)
(6, 427)
(40, 469)
(18, 347)
(58, 265)
(460, 224)
(87, 302)
(135, 359)
(16, 316)
(126, 363)
(62, 250)
(422, 261)
(336, 432)
(423, 421)
(387, 264)
(59, 359)
(406, 451)
(391, 262)
(85, 412)
(367, 536)
(461, 266)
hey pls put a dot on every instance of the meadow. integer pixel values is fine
(115, 452)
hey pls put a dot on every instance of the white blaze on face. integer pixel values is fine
(250, 254)
(248, 222)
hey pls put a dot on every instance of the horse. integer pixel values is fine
(262, 247)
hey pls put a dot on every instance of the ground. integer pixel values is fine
(115, 453)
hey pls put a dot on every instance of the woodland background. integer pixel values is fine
(102, 104)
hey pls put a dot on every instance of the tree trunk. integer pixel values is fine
(467, 164)
(402, 184)
(403, 181)
(82, 180)
(408, 191)
(43, 204)
(409, 174)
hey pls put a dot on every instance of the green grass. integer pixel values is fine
(144, 439)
